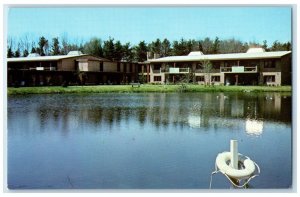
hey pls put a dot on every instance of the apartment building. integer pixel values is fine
(72, 69)
(254, 67)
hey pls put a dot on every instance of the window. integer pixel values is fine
(269, 64)
(157, 78)
(156, 67)
(215, 78)
(253, 63)
(101, 66)
(199, 78)
(216, 65)
(270, 78)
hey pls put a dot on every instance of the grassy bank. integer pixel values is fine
(144, 88)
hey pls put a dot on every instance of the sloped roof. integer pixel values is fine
(49, 58)
(230, 56)
(195, 53)
(75, 53)
(256, 50)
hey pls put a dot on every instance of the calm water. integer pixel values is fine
(145, 141)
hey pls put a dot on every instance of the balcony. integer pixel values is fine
(43, 68)
(239, 69)
(175, 70)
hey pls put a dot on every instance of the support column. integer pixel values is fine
(148, 73)
(236, 79)
(174, 65)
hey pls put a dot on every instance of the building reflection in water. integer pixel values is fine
(197, 110)
(254, 127)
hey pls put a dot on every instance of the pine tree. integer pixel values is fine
(118, 51)
(141, 52)
(216, 46)
(265, 45)
(127, 52)
(109, 49)
(10, 52)
(33, 50)
(17, 53)
(43, 43)
(165, 47)
(55, 47)
(25, 53)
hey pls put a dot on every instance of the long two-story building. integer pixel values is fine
(251, 68)
(73, 68)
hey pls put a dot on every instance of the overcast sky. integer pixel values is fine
(134, 24)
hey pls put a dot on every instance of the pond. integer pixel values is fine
(145, 140)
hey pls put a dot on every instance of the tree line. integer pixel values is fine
(116, 51)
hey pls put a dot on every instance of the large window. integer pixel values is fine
(270, 78)
(199, 78)
(215, 78)
(269, 64)
(157, 78)
(216, 65)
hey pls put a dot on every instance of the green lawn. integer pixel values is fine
(144, 88)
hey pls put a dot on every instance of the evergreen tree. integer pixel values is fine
(165, 48)
(265, 45)
(33, 50)
(141, 52)
(216, 46)
(55, 47)
(200, 46)
(109, 49)
(25, 53)
(189, 46)
(10, 52)
(179, 48)
(43, 44)
(155, 47)
(127, 53)
(93, 47)
(287, 46)
(118, 51)
(17, 53)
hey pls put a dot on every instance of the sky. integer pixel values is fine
(135, 24)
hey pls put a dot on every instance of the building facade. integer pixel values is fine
(72, 69)
(255, 67)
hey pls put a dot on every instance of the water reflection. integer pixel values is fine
(158, 141)
(201, 110)
(254, 127)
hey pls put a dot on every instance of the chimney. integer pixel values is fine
(156, 55)
(149, 55)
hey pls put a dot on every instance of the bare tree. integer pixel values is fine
(207, 70)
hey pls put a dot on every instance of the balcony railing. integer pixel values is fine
(43, 68)
(175, 70)
(239, 69)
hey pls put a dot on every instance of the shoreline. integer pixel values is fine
(143, 89)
